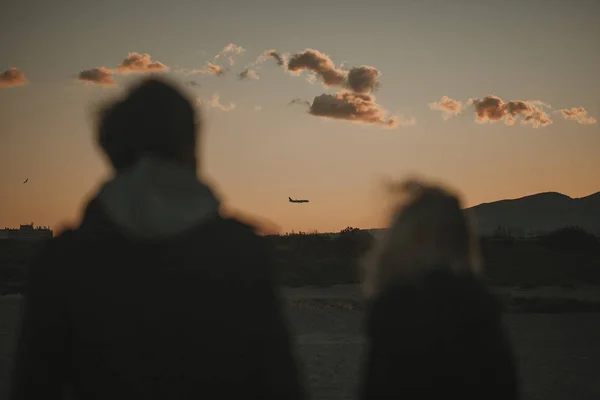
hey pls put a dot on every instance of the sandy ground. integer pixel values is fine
(559, 354)
(585, 293)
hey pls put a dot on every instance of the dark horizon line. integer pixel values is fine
(465, 208)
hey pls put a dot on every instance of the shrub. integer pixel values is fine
(571, 239)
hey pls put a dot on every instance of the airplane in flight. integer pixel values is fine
(297, 201)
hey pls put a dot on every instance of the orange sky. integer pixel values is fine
(263, 150)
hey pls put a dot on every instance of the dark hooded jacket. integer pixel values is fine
(441, 337)
(154, 296)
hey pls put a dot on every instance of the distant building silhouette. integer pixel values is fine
(26, 232)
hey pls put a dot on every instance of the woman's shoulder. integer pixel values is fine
(439, 294)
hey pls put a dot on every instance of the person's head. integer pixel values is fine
(154, 118)
(428, 230)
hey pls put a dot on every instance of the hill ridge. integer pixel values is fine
(539, 212)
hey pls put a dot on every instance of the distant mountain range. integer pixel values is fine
(538, 213)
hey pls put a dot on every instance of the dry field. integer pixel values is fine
(559, 354)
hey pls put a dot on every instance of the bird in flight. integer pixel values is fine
(26, 180)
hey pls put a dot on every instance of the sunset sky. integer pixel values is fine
(530, 54)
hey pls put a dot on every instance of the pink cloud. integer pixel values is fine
(12, 77)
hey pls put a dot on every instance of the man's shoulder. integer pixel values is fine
(230, 229)
(236, 225)
(63, 240)
(218, 232)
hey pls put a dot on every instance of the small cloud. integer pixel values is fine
(212, 69)
(231, 48)
(492, 108)
(12, 77)
(98, 76)
(354, 107)
(208, 69)
(281, 61)
(140, 63)
(578, 114)
(318, 63)
(257, 108)
(298, 100)
(363, 79)
(215, 102)
(248, 74)
(448, 106)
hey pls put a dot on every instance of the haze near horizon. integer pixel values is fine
(309, 100)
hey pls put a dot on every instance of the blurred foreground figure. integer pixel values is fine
(155, 295)
(434, 330)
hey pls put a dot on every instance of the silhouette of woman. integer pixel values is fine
(433, 329)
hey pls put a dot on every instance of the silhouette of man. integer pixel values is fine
(155, 295)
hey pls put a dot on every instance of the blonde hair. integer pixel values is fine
(428, 230)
